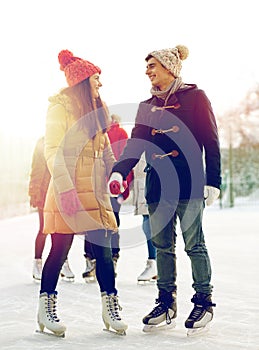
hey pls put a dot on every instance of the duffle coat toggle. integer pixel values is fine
(175, 106)
(174, 153)
(174, 128)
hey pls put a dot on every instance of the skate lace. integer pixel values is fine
(197, 312)
(199, 307)
(52, 304)
(114, 307)
(160, 309)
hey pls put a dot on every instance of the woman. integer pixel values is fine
(38, 186)
(118, 139)
(79, 157)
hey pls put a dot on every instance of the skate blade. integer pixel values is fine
(90, 279)
(62, 335)
(192, 332)
(121, 333)
(36, 280)
(68, 279)
(146, 282)
(150, 328)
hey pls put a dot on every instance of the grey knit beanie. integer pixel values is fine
(171, 59)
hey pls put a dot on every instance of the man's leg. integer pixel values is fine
(190, 215)
(162, 222)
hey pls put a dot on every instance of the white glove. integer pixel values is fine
(210, 194)
(115, 185)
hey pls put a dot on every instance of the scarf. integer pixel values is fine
(172, 88)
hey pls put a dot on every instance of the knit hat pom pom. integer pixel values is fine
(183, 51)
(65, 57)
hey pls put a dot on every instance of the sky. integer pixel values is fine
(222, 37)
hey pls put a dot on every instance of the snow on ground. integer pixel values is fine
(232, 237)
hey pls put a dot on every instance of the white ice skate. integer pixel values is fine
(162, 317)
(66, 272)
(149, 275)
(37, 269)
(47, 316)
(89, 273)
(110, 315)
(201, 315)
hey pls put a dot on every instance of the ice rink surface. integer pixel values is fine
(232, 238)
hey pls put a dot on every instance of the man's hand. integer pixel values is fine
(211, 194)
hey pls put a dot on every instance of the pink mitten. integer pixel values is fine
(69, 202)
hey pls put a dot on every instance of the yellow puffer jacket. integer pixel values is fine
(76, 161)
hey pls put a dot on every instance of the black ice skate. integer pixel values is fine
(163, 315)
(201, 315)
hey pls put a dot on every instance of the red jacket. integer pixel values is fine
(118, 138)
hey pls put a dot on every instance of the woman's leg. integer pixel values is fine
(60, 246)
(101, 245)
(40, 238)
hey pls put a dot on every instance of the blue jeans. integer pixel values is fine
(147, 230)
(163, 219)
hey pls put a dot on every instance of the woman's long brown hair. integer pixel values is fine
(88, 117)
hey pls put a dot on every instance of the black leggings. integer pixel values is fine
(60, 247)
(115, 238)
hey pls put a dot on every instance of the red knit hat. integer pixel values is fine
(76, 69)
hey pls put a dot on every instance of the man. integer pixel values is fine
(174, 127)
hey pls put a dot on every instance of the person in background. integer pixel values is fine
(177, 130)
(38, 186)
(118, 139)
(141, 208)
(79, 158)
